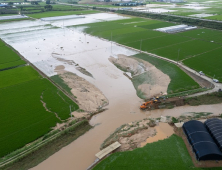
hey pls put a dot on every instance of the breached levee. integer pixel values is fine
(147, 79)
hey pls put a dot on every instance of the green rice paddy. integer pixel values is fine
(8, 57)
(166, 154)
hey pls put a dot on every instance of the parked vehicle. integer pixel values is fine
(215, 80)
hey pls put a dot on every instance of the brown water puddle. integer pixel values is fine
(163, 131)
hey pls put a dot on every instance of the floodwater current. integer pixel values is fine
(42, 46)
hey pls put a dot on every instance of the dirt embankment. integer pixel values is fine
(147, 79)
(89, 97)
(138, 133)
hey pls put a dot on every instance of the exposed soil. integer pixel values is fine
(134, 141)
(80, 114)
(129, 135)
(59, 126)
(157, 82)
(138, 133)
(88, 96)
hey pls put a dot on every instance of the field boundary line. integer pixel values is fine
(201, 53)
(172, 45)
(144, 39)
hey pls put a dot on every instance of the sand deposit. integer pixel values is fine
(88, 96)
(130, 143)
(157, 82)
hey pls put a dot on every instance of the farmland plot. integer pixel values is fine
(8, 57)
(185, 50)
(24, 117)
(210, 63)
(158, 42)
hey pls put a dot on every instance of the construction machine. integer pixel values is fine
(149, 103)
(145, 105)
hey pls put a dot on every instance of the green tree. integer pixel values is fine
(48, 7)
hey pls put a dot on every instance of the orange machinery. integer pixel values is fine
(145, 105)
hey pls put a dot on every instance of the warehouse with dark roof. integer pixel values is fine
(201, 141)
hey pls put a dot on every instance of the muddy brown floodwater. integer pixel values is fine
(92, 54)
(81, 153)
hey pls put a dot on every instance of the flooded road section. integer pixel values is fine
(48, 46)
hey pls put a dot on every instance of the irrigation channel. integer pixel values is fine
(51, 44)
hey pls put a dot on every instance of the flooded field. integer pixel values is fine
(52, 47)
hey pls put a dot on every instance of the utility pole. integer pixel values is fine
(70, 111)
(178, 56)
(140, 45)
(63, 28)
(111, 42)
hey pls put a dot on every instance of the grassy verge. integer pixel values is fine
(61, 83)
(185, 93)
(213, 98)
(65, 137)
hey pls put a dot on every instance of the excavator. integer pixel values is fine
(145, 105)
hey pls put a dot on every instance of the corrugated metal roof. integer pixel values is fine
(108, 150)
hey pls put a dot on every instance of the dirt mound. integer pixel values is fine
(88, 96)
(147, 79)
(130, 143)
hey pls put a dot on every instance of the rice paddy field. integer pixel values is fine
(32, 105)
(166, 154)
(61, 13)
(8, 57)
(194, 48)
